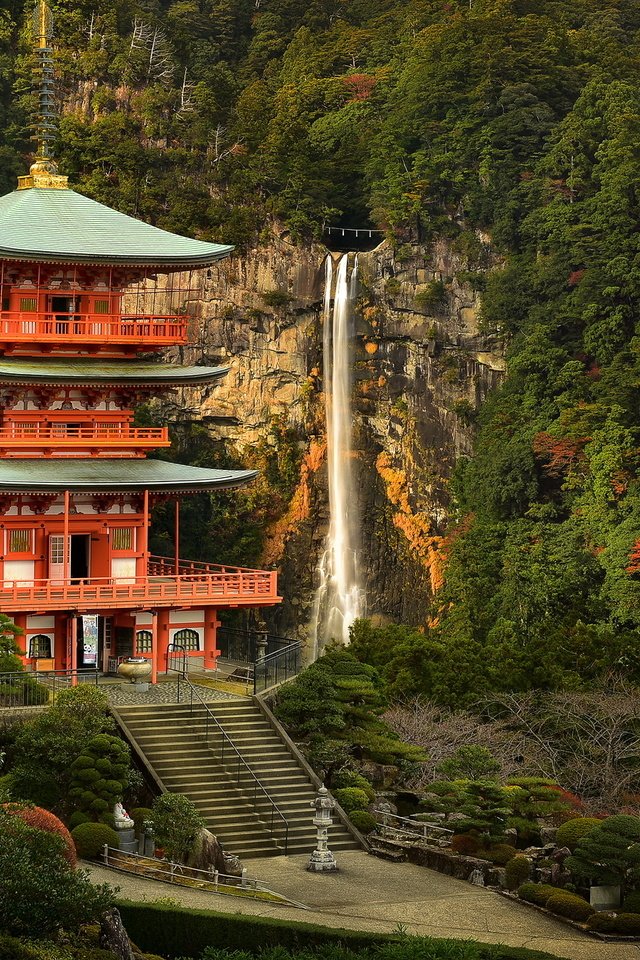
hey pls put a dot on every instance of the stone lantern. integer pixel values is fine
(322, 860)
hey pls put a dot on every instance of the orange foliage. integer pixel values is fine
(559, 452)
(415, 526)
(42, 819)
(575, 278)
(360, 85)
(298, 510)
(634, 559)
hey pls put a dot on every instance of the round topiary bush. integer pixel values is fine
(350, 778)
(76, 819)
(537, 893)
(466, 844)
(99, 776)
(90, 838)
(351, 798)
(499, 853)
(517, 870)
(45, 820)
(627, 924)
(631, 903)
(571, 833)
(139, 815)
(363, 821)
(569, 905)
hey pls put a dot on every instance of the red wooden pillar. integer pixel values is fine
(60, 643)
(144, 535)
(163, 639)
(65, 534)
(211, 624)
(20, 621)
(154, 646)
(177, 537)
(73, 624)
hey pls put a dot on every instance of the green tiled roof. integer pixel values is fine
(23, 371)
(157, 476)
(64, 226)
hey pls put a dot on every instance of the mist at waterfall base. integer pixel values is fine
(339, 598)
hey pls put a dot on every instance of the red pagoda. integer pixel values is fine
(80, 340)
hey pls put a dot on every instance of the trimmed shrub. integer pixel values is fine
(350, 778)
(569, 905)
(608, 853)
(466, 844)
(351, 798)
(175, 932)
(631, 903)
(45, 820)
(622, 923)
(363, 821)
(537, 893)
(139, 815)
(571, 833)
(99, 775)
(90, 838)
(517, 871)
(500, 854)
(76, 819)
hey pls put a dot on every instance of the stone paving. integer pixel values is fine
(122, 693)
(372, 894)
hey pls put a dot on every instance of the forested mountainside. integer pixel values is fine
(517, 120)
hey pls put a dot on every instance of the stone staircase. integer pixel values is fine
(171, 738)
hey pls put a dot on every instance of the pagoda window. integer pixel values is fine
(20, 541)
(101, 306)
(144, 640)
(28, 304)
(122, 538)
(187, 638)
(40, 647)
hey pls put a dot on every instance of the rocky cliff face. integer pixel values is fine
(422, 368)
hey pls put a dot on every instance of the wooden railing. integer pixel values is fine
(217, 585)
(29, 435)
(20, 326)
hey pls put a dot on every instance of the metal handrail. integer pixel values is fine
(17, 691)
(226, 740)
(268, 672)
(208, 876)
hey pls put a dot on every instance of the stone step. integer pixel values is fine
(224, 791)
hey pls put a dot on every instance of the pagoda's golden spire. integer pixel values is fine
(44, 170)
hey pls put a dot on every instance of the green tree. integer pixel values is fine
(39, 892)
(176, 824)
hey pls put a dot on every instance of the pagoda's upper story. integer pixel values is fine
(57, 225)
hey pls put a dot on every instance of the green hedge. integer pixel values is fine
(175, 932)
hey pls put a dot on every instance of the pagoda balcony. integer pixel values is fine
(102, 330)
(188, 583)
(43, 440)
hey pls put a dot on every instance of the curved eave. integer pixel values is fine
(111, 260)
(115, 476)
(184, 376)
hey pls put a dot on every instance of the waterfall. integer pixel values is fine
(338, 599)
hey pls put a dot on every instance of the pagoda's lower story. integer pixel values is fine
(77, 576)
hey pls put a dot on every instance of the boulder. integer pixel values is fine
(548, 834)
(207, 853)
(113, 936)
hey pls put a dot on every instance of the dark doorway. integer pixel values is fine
(80, 556)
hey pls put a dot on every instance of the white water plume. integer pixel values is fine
(339, 599)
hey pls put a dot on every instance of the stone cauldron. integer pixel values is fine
(135, 669)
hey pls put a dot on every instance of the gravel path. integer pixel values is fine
(372, 894)
(121, 694)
